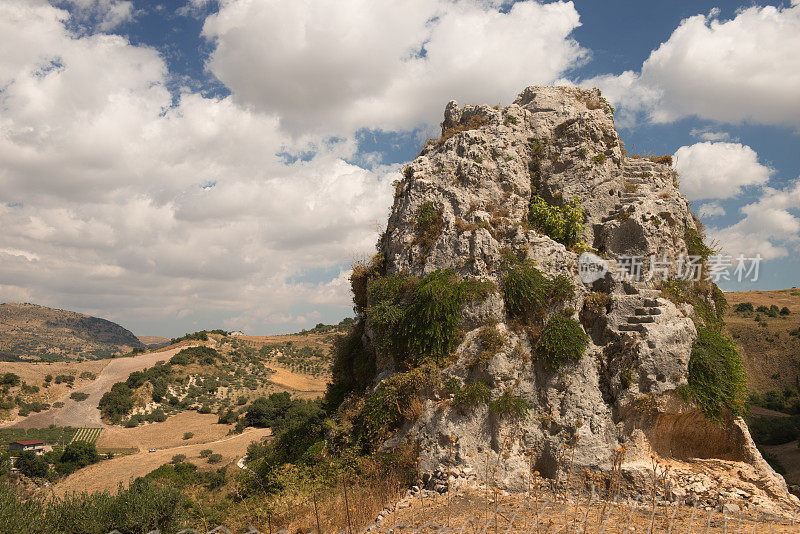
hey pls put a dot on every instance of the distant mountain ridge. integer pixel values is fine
(33, 332)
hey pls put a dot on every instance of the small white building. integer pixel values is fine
(34, 445)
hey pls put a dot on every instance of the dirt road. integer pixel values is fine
(85, 413)
(108, 474)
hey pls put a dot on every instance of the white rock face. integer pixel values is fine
(560, 143)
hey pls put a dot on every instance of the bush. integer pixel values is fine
(188, 435)
(269, 411)
(785, 311)
(428, 224)
(201, 354)
(695, 244)
(528, 293)
(142, 507)
(227, 417)
(491, 341)
(562, 340)
(77, 455)
(743, 307)
(563, 224)
(416, 320)
(9, 379)
(64, 379)
(510, 404)
(31, 465)
(178, 458)
(716, 375)
(78, 396)
(214, 458)
(117, 402)
(388, 406)
(471, 395)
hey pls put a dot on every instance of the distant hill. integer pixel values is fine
(32, 332)
(769, 341)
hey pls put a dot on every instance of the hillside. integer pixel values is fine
(38, 333)
(770, 350)
(766, 328)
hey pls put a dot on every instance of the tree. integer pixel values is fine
(76, 455)
(9, 379)
(268, 411)
(31, 465)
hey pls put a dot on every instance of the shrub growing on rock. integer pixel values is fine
(562, 340)
(389, 405)
(491, 341)
(716, 375)
(471, 395)
(428, 225)
(563, 224)
(417, 320)
(528, 293)
(509, 404)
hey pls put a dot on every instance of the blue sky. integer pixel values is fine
(200, 164)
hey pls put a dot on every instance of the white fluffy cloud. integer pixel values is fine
(106, 14)
(119, 202)
(743, 69)
(345, 64)
(718, 170)
(770, 227)
(711, 209)
(124, 200)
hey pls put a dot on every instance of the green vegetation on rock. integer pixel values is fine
(528, 293)
(717, 381)
(417, 320)
(562, 340)
(563, 224)
(509, 404)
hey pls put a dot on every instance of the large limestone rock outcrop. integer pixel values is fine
(559, 143)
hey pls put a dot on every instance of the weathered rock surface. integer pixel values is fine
(559, 143)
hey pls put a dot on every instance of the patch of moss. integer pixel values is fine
(717, 381)
(562, 340)
(563, 224)
(528, 293)
(417, 320)
(509, 404)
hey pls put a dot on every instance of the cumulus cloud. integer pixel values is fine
(105, 14)
(770, 226)
(718, 170)
(741, 70)
(348, 64)
(706, 134)
(711, 209)
(119, 200)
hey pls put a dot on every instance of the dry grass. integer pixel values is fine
(108, 474)
(298, 383)
(771, 356)
(165, 435)
(477, 510)
(34, 373)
